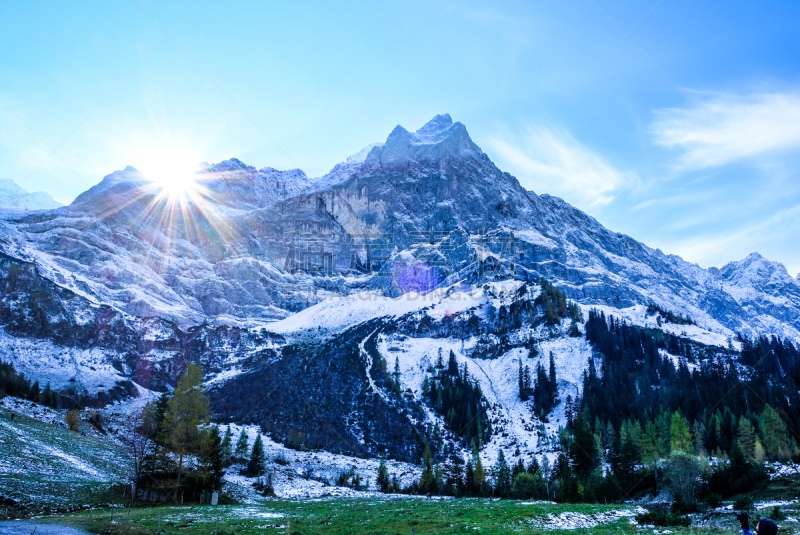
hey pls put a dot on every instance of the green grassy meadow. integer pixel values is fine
(329, 517)
(381, 516)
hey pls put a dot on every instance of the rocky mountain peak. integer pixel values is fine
(756, 271)
(232, 164)
(440, 141)
(438, 129)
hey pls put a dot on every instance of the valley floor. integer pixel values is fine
(64, 477)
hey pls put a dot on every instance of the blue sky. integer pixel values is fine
(675, 122)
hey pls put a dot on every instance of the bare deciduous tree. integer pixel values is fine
(684, 471)
(139, 435)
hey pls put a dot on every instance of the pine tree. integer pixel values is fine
(241, 445)
(258, 459)
(227, 447)
(186, 410)
(452, 364)
(33, 395)
(502, 486)
(699, 432)
(159, 413)
(518, 468)
(746, 438)
(440, 360)
(584, 452)
(569, 412)
(427, 481)
(523, 391)
(479, 477)
(533, 467)
(396, 370)
(469, 480)
(541, 391)
(663, 426)
(626, 455)
(526, 375)
(455, 475)
(48, 397)
(383, 476)
(211, 459)
(774, 435)
(553, 381)
(680, 436)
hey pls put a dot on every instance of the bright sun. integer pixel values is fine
(173, 172)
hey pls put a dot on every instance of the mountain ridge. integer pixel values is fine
(240, 255)
(16, 199)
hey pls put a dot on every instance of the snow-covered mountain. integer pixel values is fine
(289, 289)
(261, 245)
(15, 199)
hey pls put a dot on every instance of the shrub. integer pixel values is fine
(528, 486)
(743, 502)
(777, 514)
(73, 419)
(264, 485)
(737, 477)
(714, 500)
(663, 519)
(681, 507)
(684, 471)
(97, 421)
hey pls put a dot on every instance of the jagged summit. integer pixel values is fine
(438, 129)
(438, 139)
(231, 164)
(756, 271)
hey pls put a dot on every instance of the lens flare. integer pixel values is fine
(173, 173)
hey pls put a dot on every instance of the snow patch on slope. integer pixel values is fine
(62, 367)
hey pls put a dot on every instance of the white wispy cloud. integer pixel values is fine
(554, 162)
(721, 128)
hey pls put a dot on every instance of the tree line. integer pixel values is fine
(636, 383)
(543, 389)
(13, 383)
(453, 394)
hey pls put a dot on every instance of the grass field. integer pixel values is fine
(387, 516)
(384, 516)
